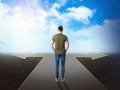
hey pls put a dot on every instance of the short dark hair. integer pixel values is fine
(60, 28)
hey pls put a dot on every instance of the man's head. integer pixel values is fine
(60, 28)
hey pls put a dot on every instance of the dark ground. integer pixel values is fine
(106, 70)
(14, 70)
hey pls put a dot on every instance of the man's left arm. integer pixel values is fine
(67, 45)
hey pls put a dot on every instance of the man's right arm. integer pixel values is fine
(52, 45)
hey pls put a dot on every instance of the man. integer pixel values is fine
(60, 49)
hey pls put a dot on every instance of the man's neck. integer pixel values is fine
(59, 32)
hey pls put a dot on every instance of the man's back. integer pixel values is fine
(60, 40)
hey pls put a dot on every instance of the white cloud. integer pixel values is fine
(28, 27)
(97, 38)
(59, 4)
(63, 2)
(23, 28)
(81, 14)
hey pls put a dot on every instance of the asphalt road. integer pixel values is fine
(77, 76)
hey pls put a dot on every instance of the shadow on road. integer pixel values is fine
(63, 86)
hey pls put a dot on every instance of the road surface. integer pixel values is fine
(77, 76)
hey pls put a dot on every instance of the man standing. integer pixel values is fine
(61, 46)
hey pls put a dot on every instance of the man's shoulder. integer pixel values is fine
(57, 35)
(64, 35)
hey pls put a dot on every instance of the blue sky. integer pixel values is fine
(28, 25)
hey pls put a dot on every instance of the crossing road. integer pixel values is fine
(77, 76)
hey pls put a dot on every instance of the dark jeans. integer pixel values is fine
(58, 58)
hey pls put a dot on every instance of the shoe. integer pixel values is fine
(62, 79)
(56, 79)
